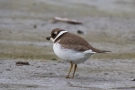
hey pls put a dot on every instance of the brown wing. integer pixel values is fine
(74, 42)
(77, 43)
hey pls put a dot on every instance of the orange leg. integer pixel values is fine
(75, 67)
(70, 70)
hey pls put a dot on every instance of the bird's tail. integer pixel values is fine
(100, 51)
(104, 51)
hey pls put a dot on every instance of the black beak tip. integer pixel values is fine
(47, 38)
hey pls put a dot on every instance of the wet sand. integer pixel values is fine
(50, 75)
(107, 24)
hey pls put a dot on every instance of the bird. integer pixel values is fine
(71, 48)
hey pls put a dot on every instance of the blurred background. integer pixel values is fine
(25, 24)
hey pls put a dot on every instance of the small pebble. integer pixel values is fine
(80, 32)
(8, 69)
(35, 26)
(106, 73)
(20, 63)
(47, 38)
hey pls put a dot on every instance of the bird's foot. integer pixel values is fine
(67, 76)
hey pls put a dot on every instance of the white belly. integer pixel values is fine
(71, 55)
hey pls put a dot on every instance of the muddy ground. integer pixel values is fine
(107, 24)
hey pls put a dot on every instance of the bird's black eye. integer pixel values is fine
(53, 35)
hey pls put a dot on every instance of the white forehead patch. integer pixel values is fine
(62, 32)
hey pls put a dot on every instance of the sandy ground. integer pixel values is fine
(107, 24)
(50, 75)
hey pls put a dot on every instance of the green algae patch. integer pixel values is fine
(14, 51)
